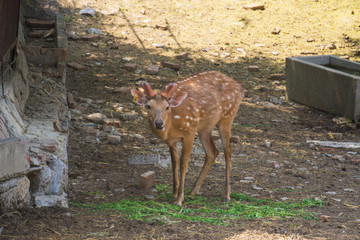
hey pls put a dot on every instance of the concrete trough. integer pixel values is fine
(326, 82)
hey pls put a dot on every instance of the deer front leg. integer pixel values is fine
(184, 160)
(174, 162)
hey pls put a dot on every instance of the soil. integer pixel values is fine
(273, 132)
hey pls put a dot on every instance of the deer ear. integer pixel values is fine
(177, 99)
(139, 97)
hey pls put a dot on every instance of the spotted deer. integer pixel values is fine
(198, 103)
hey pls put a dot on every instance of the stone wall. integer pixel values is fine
(34, 125)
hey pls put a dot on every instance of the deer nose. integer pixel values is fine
(159, 124)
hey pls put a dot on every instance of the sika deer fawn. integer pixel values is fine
(195, 104)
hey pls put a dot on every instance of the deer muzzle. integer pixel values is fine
(159, 124)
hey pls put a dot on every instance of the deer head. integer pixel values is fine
(158, 105)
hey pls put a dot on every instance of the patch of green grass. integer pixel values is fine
(211, 211)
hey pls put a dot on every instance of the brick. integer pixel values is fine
(255, 6)
(90, 131)
(152, 70)
(36, 23)
(170, 65)
(36, 34)
(112, 122)
(91, 37)
(76, 66)
(49, 147)
(70, 100)
(147, 180)
(130, 67)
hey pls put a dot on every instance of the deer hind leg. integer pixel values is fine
(225, 134)
(175, 163)
(211, 154)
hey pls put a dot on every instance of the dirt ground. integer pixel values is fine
(273, 132)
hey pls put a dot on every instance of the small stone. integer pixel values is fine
(99, 64)
(349, 190)
(90, 131)
(170, 65)
(331, 46)
(144, 159)
(147, 180)
(277, 76)
(113, 139)
(324, 218)
(257, 188)
(96, 117)
(94, 44)
(34, 162)
(284, 198)
(152, 70)
(90, 37)
(276, 31)
(248, 178)
(130, 67)
(267, 144)
(88, 11)
(241, 50)
(331, 193)
(158, 45)
(94, 31)
(76, 66)
(225, 55)
(254, 6)
(182, 56)
(112, 122)
(70, 100)
(150, 197)
(128, 116)
(253, 68)
(162, 27)
(246, 181)
(234, 139)
(122, 90)
(310, 40)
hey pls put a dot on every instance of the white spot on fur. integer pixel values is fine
(177, 117)
(187, 124)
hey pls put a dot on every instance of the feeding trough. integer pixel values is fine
(325, 82)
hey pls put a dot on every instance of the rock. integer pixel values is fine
(99, 64)
(94, 31)
(152, 70)
(14, 194)
(122, 90)
(88, 11)
(182, 56)
(331, 193)
(51, 201)
(235, 139)
(113, 139)
(158, 45)
(94, 45)
(257, 188)
(162, 27)
(147, 180)
(130, 67)
(277, 76)
(70, 100)
(276, 31)
(310, 40)
(96, 117)
(324, 218)
(267, 144)
(49, 147)
(254, 6)
(284, 198)
(90, 131)
(349, 190)
(112, 122)
(34, 162)
(76, 66)
(225, 55)
(170, 65)
(253, 68)
(90, 37)
(58, 179)
(72, 35)
(241, 50)
(331, 46)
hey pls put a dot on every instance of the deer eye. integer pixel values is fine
(148, 107)
(167, 108)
